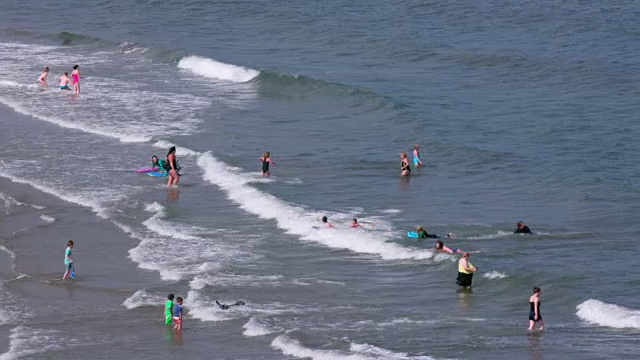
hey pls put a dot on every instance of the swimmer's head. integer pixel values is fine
(451, 235)
(416, 147)
(70, 243)
(324, 219)
(403, 155)
(536, 290)
(520, 224)
(66, 73)
(266, 154)
(172, 150)
(419, 228)
(75, 67)
(439, 245)
(46, 69)
(179, 300)
(170, 297)
(154, 159)
(465, 255)
(354, 221)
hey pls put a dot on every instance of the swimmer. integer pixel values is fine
(75, 77)
(42, 79)
(168, 310)
(354, 223)
(522, 228)
(266, 160)
(68, 262)
(404, 165)
(423, 234)
(64, 81)
(465, 271)
(177, 314)
(157, 164)
(326, 222)
(416, 155)
(534, 309)
(440, 246)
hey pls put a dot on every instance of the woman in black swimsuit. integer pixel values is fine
(404, 165)
(266, 160)
(172, 167)
(534, 309)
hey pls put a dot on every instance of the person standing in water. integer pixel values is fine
(534, 309)
(168, 310)
(465, 271)
(42, 79)
(75, 79)
(68, 262)
(177, 314)
(416, 156)
(172, 166)
(404, 165)
(266, 160)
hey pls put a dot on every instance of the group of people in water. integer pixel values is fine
(63, 81)
(168, 166)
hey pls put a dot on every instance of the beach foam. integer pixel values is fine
(254, 328)
(217, 70)
(142, 298)
(609, 315)
(494, 275)
(356, 351)
(294, 219)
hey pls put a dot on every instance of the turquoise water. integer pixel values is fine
(524, 112)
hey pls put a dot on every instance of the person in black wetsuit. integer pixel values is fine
(534, 309)
(522, 228)
(423, 234)
(405, 169)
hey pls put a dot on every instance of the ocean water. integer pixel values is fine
(524, 111)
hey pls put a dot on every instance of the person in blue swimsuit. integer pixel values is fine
(68, 262)
(416, 156)
(177, 314)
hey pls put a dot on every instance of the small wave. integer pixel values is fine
(68, 38)
(356, 351)
(123, 137)
(609, 315)
(391, 211)
(500, 233)
(141, 298)
(47, 218)
(95, 207)
(494, 275)
(25, 341)
(217, 70)
(255, 328)
(297, 220)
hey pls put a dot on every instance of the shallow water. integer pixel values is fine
(523, 111)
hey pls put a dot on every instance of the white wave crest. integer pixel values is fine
(141, 298)
(255, 328)
(47, 218)
(610, 315)
(217, 70)
(293, 348)
(297, 220)
(494, 275)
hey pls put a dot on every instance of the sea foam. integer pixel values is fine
(609, 315)
(217, 70)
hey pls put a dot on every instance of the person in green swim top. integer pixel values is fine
(423, 234)
(157, 164)
(168, 310)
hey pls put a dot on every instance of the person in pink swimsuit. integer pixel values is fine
(75, 79)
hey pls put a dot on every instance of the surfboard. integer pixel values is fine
(157, 173)
(146, 169)
(412, 234)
